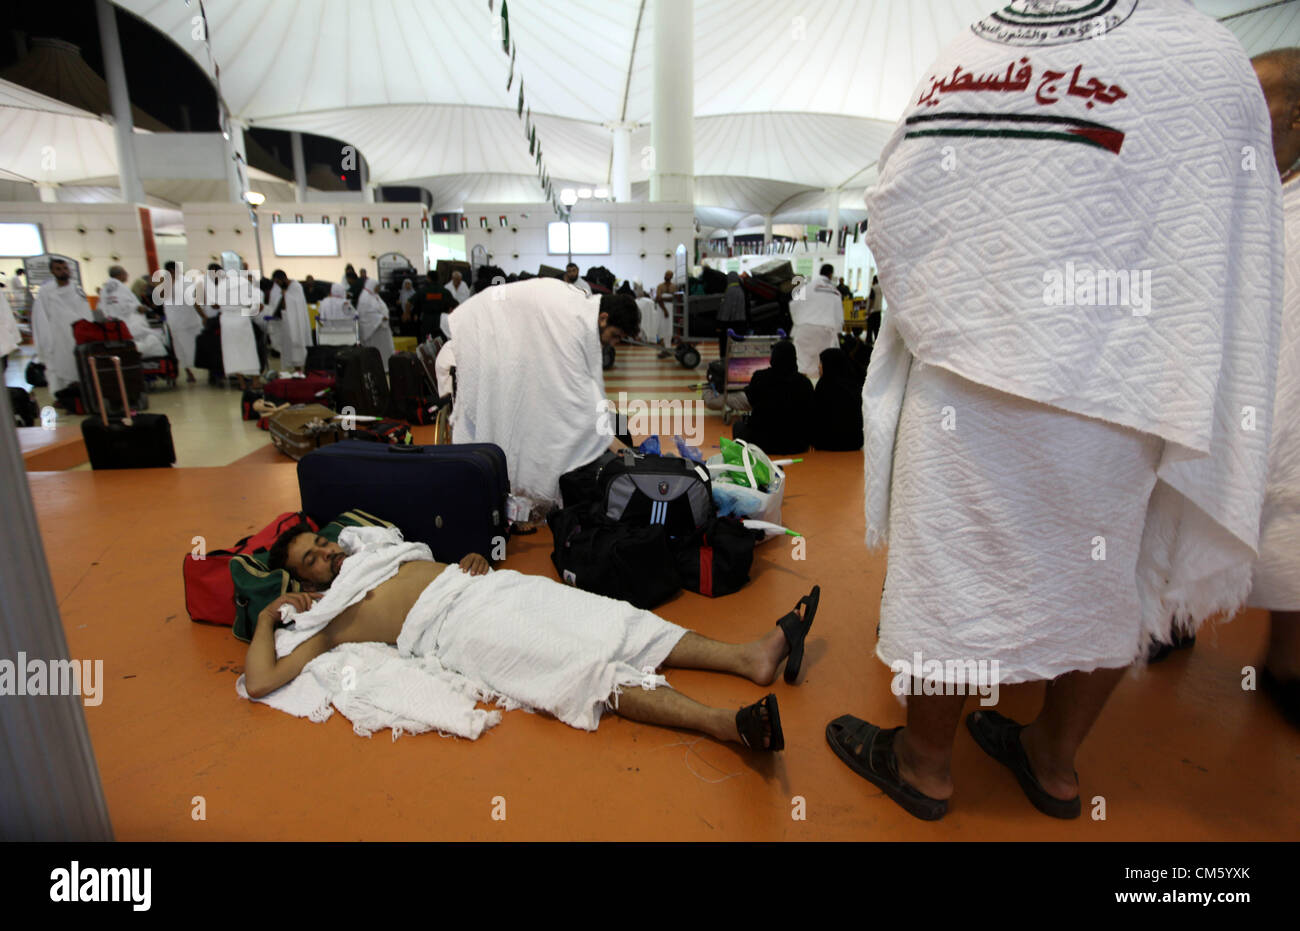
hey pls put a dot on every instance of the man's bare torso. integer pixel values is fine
(378, 617)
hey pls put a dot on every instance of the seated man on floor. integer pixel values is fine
(467, 633)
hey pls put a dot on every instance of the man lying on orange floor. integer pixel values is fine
(394, 639)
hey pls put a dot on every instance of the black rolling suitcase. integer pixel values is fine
(322, 358)
(95, 356)
(361, 383)
(451, 497)
(411, 395)
(140, 442)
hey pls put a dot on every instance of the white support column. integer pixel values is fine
(367, 191)
(123, 124)
(672, 127)
(620, 181)
(833, 218)
(236, 170)
(52, 790)
(299, 168)
(767, 232)
(47, 192)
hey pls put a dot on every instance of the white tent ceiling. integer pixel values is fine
(789, 99)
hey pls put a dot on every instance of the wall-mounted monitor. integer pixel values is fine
(590, 237)
(304, 239)
(21, 240)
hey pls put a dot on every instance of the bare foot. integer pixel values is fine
(1058, 780)
(913, 769)
(769, 651)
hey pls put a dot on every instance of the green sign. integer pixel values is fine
(733, 265)
(803, 267)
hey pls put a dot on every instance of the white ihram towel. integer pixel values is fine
(529, 378)
(1277, 574)
(974, 221)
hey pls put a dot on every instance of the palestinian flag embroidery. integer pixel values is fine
(1016, 125)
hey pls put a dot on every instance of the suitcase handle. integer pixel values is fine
(99, 391)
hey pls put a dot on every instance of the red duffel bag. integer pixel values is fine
(313, 388)
(209, 588)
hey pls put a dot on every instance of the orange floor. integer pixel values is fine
(1181, 753)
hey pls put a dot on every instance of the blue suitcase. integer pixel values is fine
(451, 497)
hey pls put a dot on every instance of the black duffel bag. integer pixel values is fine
(715, 561)
(630, 562)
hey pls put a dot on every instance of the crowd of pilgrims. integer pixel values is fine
(787, 414)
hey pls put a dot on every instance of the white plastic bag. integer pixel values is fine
(747, 502)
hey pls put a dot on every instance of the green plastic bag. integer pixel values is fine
(733, 453)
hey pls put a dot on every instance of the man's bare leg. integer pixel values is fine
(667, 707)
(756, 660)
(1072, 705)
(1283, 658)
(924, 747)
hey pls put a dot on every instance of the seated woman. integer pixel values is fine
(782, 401)
(837, 420)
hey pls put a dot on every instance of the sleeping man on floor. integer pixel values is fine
(393, 639)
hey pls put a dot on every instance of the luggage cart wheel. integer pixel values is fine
(606, 356)
(690, 357)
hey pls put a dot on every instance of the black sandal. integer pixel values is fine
(999, 737)
(878, 764)
(754, 727)
(796, 630)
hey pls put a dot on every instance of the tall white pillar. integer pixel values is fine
(123, 124)
(47, 192)
(620, 181)
(367, 192)
(833, 218)
(52, 790)
(672, 127)
(767, 232)
(236, 168)
(299, 168)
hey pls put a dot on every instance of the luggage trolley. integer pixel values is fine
(745, 356)
(684, 352)
(345, 332)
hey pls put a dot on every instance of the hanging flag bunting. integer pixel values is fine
(511, 79)
(519, 111)
(505, 28)
(532, 140)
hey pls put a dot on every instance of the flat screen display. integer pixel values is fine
(21, 239)
(590, 237)
(305, 239)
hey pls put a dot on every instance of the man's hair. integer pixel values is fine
(214, 267)
(571, 265)
(278, 558)
(828, 269)
(278, 273)
(52, 263)
(623, 312)
(170, 267)
(115, 270)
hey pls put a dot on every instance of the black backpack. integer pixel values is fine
(26, 413)
(666, 490)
